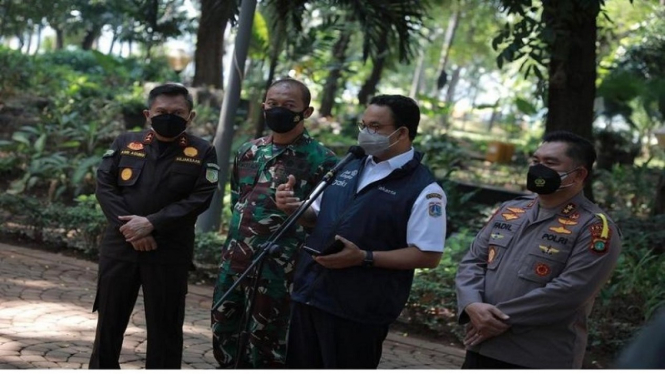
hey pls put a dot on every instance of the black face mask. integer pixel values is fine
(542, 180)
(168, 125)
(282, 120)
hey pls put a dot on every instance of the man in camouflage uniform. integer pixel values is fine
(527, 285)
(259, 167)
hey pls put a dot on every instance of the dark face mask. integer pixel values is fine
(282, 120)
(543, 180)
(168, 125)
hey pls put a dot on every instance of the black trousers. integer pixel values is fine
(320, 340)
(474, 360)
(164, 290)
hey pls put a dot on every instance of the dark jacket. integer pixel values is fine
(375, 219)
(170, 188)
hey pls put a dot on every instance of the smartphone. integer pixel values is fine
(312, 251)
(335, 247)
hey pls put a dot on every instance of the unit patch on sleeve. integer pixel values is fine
(433, 195)
(212, 173)
(435, 209)
(109, 153)
(600, 236)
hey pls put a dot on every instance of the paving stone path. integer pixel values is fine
(46, 320)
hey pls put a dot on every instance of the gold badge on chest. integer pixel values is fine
(190, 152)
(126, 174)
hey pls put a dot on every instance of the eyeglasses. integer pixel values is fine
(372, 128)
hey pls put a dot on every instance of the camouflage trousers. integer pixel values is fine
(265, 346)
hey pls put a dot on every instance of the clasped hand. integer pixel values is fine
(137, 231)
(487, 321)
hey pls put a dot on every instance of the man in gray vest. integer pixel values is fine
(527, 285)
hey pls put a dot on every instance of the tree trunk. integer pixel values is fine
(275, 50)
(113, 40)
(29, 37)
(450, 97)
(59, 38)
(418, 75)
(40, 29)
(659, 203)
(209, 53)
(90, 36)
(445, 49)
(334, 74)
(572, 73)
(378, 63)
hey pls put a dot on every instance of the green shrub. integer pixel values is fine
(433, 301)
(17, 72)
(208, 249)
(635, 291)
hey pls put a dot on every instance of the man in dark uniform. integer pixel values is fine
(527, 285)
(151, 186)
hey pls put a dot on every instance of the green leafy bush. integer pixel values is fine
(208, 249)
(433, 301)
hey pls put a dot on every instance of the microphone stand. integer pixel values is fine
(269, 247)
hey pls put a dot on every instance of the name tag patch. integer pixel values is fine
(132, 153)
(188, 160)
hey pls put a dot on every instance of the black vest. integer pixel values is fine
(375, 219)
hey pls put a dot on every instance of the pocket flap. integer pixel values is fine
(185, 168)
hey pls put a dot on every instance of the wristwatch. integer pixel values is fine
(368, 261)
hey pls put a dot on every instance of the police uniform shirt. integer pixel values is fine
(543, 268)
(426, 229)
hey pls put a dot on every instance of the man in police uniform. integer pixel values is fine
(527, 285)
(259, 166)
(151, 186)
(389, 215)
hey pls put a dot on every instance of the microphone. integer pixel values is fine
(355, 151)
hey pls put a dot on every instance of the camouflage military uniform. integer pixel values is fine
(259, 167)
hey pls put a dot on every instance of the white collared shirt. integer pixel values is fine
(426, 228)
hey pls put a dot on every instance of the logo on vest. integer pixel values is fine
(340, 183)
(381, 188)
(349, 174)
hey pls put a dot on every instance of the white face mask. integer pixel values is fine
(375, 144)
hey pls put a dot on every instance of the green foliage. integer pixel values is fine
(78, 227)
(635, 292)
(85, 222)
(208, 249)
(88, 95)
(17, 71)
(433, 302)
(626, 190)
